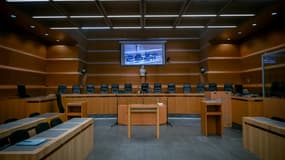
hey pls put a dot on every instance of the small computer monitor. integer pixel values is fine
(238, 88)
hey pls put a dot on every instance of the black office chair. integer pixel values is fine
(22, 91)
(104, 88)
(186, 88)
(157, 88)
(76, 89)
(18, 136)
(4, 142)
(90, 89)
(128, 88)
(34, 114)
(115, 88)
(200, 88)
(62, 88)
(59, 103)
(212, 86)
(228, 87)
(42, 127)
(54, 122)
(145, 88)
(10, 120)
(171, 88)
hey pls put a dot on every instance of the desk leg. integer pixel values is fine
(157, 123)
(129, 122)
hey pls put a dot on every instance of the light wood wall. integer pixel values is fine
(251, 51)
(103, 65)
(22, 61)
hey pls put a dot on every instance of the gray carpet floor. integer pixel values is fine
(183, 141)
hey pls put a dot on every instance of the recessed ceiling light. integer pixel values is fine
(228, 39)
(127, 27)
(57, 40)
(27, 0)
(46, 34)
(86, 16)
(254, 24)
(239, 33)
(13, 16)
(158, 27)
(274, 13)
(32, 26)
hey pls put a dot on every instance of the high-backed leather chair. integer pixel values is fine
(90, 88)
(157, 88)
(104, 88)
(171, 88)
(115, 88)
(145, 88)
(128, 88)
(62, 88)
(212, 86)
(200, 88)
(186, 88)
(76, 89)
(228, 87)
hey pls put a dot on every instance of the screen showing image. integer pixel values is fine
(143, 53)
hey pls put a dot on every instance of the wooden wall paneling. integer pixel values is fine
(104, 45)
(56, 79)
(12, 108)
(103, 57)
(251, 77)
(251, 62)
(224, 65)
(102, 105)
(14, 77)
(62, 51)
(221, 78)
(223, 50)
(14, 59)
(125, 100)
(182, 44)
(239, 110)
(183, 56)
(63, 66)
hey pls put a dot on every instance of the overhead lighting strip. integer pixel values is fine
(99, 28)
(27, 0)
(160, 16)
(222, 27)
(237, 15)
(158, 27)
(86, 16)
(199, 15)
(49, 17)
(190, 27)
(124, 16)
(127, 27)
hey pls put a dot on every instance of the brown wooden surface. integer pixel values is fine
(211, 117)
(75, 143)
(141, 118)
(274, 107)
(261, 136)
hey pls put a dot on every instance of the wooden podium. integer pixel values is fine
(76, 109)
(211, 117)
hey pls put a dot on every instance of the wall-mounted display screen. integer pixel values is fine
(142, 52)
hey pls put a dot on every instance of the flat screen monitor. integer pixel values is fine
(142, 53)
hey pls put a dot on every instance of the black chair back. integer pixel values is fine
(104, 88)
(171, 88)
(228, 87)
(10, 120)
(18, 136)
(145, 88)
(128, 88)
(90, 89)
(157, 88)
(212, 86)
(22, 91)
(115, 88)
(62, 88)
(54, 122)
(59, 103)
(200, 88)
(42, 127)
(186, 88)
(76, 89)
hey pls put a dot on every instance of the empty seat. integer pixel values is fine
(228, 87)
(145, 88)
(59, 103)
(171, 88)
(104, 88)
(18, 136)
(62, 88)
(157, 88)
(42, 127)
(200, 88)
(186, 88)
(76, 89)
(22, 91)
(115, 88)
(55, 122)
(10, 120)
(128, 88)
(90, 89)
(212, 86)
(34, 114)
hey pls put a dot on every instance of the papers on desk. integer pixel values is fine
(31, 142)
(159, 103)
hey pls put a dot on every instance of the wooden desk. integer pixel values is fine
(211, 117)
(264, 137)
(76, 109)
(72, 140)
(246, 106)
(143, 108)
(27, 123)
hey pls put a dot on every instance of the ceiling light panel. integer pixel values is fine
(64, 28)
(160, 16)
(86, 17)
(237, 15)
(49, 17)
(124, 16)
(221, 27)
(86, 28)
(199, 15)
(27, 0)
